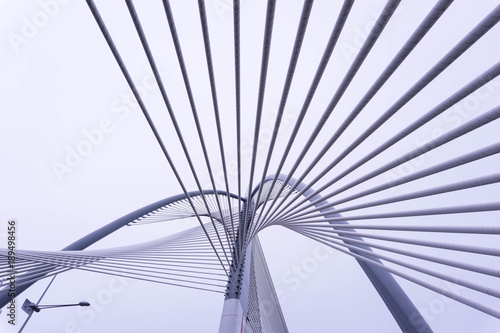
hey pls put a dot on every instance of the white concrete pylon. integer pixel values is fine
(232, 319)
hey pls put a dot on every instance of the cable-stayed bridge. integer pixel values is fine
(310, 178)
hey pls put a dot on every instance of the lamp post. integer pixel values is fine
(29, 306)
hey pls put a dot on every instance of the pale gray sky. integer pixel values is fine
(59, 82)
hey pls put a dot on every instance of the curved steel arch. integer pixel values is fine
(399, 304)
(401, 307)
(111, 227)
(104, 231)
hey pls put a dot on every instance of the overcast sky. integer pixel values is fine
(59, 84)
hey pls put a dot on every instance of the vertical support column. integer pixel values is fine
(233, 318)
(234, 311)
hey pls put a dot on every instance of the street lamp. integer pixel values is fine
(29, 306)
